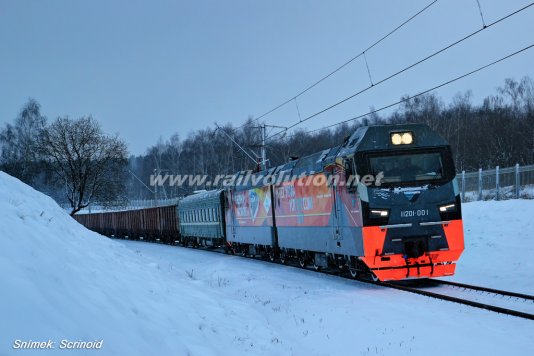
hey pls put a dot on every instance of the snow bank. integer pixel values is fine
(60, 281)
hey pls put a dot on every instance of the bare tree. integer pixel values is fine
(90, 164)
(19, 142)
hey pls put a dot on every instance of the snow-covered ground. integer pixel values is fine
(499, 245)
(59, 281)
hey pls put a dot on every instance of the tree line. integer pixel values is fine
(75, 162)
(498, 131)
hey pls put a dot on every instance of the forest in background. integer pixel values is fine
(497, 131)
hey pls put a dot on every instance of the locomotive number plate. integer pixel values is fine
(412, 213)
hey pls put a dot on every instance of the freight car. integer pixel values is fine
(151, 224)
(403, 222)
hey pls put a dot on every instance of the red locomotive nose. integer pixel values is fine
(417, 261)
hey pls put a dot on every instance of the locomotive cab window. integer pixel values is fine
(416, 167)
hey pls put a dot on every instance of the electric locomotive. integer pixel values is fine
(385, 203)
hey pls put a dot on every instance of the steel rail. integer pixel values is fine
(471, 303)
(483, 289)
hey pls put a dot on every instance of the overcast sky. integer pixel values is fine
(148, 69)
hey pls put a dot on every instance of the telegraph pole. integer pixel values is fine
(156, 188)
(263, 148)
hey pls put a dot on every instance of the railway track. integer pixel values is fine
(495, 300)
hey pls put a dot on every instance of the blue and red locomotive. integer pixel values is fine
(385, 203)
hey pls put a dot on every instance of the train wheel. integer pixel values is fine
(283, 257)
(302, 260)
(272, 255)
(374, 277)
(354, 273)
(243, 251)
(316, 267)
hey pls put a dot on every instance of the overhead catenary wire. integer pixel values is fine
(238, 145)
(481, 14)
(368, 70)
(337, 69)
(422, 92)
(298, 110)
(403, 70)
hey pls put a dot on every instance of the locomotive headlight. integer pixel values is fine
(379, 213)
(401, 138)
(407, 138)
(447, 208)
(396, 139)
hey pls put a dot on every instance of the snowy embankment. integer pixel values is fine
(499, 245)
(61, 282)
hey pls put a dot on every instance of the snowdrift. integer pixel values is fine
(60, 281)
